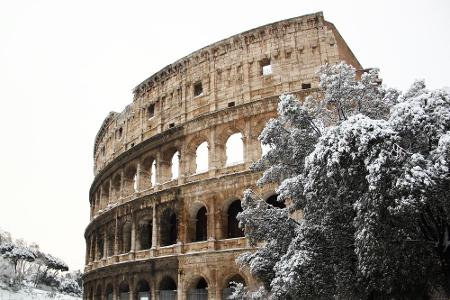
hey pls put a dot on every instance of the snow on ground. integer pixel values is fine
(32, 294)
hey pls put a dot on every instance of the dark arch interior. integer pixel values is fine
(168, 228)
(126, 237)
(233, 223)
(201, 225)
(124, 288)
(167, 284)
(143, 286)
(109, 289)
(98, 291)
(145, 234)
(201, 284)
(272, 200)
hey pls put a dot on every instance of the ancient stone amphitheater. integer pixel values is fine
(171, 168)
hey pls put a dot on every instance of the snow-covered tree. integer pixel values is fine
(369, 169)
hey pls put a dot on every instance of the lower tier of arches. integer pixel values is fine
(189, 277)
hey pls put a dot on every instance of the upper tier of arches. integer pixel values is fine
(259, 63)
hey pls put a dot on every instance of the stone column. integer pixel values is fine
(116, 238)
(122, 183)
(212, 155)
(105, 242)
(154, 229)
(138, 177)
(110, 197)
(133, 234)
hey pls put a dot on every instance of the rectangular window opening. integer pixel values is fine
(231, 104)
(171, 125)
(266, 67)
(198, 89)
(306, 86)
(150, 111)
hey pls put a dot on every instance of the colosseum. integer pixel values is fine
(170, 169)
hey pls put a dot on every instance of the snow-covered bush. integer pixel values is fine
(369, 169)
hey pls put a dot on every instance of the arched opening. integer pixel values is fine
(144, 240)
(131, 183)
(201, 158)
(110, 241)
(143, 290)
(105, 194)
(233, 224)
(124, 291)
(109, 292)
(167, 289)
(234, 149)
(199, 290)
(100, 246)
(116, 186)
(153, 173)
(228, 288)
(98, 293)
(126, 237)
(272, 200)
(168, 228)
(175, 165)
(201, 225)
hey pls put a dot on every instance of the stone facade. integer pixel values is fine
(161, 235)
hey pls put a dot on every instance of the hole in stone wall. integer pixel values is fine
(175, 165)
(201, 158)
(151, 111)
(198, 89)
(233, 223)
(153, 173)
(231, 104)
(234, 149)
(171, 125)
(266, 67)
(306, 86)
(201, 225)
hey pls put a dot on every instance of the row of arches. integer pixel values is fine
(152, 231)
(197, 289)
(170, 163)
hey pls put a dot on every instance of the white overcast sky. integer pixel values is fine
(65, 64)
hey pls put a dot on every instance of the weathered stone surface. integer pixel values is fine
(184, 229)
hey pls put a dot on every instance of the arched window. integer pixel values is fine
(110, 242)
(143, 290)
(130, 180)
(126, 237)
(153, 173)
(100, 246)
(233, 224)
(234, 149)
(201, 158)
(272, 200)
(144, 240)
(124, 291)
(168, 289)
(135, 182)
(98, 293)
(109, 292)
(175, 165)
(116, 186)
(168, 228)
(199, 290)
(201, 225)
(228, 289)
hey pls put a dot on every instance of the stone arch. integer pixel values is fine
(100, 244)
(232, 226)
(272, 200)
(234, 149)
(98, 292)
(125, 234)
(227, 289)
(168, 227)
(116, 186)
(124, 291)
(197, 288)
(195, 159)
(224, 132)
(198, 222)
(148, 178)
(165, 164)
(143, 291)
(110, 240)
(144, 233)
(104, 194)
(109, 291)
(130, 183)
(167, 288)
